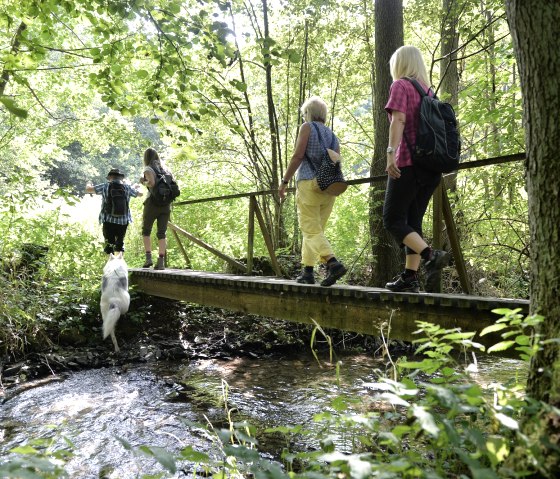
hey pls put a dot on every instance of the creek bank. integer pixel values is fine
(158, 329)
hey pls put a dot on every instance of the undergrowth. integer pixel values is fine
(430, 420)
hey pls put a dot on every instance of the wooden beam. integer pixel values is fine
(199, 242)
(358, 181)
(437, 228)
(182, 248)
(455, 245)
(251, 234)
(350, 308)
(267, 238)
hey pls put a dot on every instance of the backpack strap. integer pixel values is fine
(321, 137)
(419, 87)
(322, 143)
(422, 95)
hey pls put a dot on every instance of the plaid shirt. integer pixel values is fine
(403, 97)
(315, 150)
(103, 189)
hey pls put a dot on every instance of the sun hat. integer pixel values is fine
(115, 172)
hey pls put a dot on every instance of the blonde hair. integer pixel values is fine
(407, 61)
(314, 109)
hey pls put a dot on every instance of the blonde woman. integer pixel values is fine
(152, 212)
(409, 188)
(314, 207)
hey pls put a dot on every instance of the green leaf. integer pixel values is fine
(502, 346)
(455, 336)
(174, 8)
(426, 420)
(497, 448)
(493, 328)
(189, 454)
(507, 421)
(11, 106)
(161, 455)
(142, 74)
(394, 399)
(27, 449)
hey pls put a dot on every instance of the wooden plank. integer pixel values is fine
(206, 246)
(351, 308)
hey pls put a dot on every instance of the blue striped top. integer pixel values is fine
(315, 150)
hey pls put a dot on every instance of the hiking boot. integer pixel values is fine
(306, 278)
(148, 263)
(402, 284)
(160, 263)
(335, 271)
(439, 259)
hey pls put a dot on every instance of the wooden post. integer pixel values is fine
(251, 234)
(183, 250)
(455, 245)
(267, 239)
(437, 228)
(437, 241)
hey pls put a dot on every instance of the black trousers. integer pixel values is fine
(406, 201)
(114, 237)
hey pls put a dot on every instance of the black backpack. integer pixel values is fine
(438, 145)
(116, 203)
(165, 189)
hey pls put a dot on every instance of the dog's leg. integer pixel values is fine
(114, 338)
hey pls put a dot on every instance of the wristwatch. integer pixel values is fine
(390, 150)
(285, 182)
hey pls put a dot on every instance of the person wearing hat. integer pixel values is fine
(115, 212)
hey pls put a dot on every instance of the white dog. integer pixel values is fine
(115, 299)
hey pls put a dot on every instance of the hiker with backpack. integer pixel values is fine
(409, 185)
(162, 190)
(115, 211)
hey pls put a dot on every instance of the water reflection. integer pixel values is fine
(145, 404)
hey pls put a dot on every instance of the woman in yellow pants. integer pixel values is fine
(314, 206)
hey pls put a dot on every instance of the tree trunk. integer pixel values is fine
(449, 91)
(535, 28)
(388, 37)
(5, 78)
(271, 216)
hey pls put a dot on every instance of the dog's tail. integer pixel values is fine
(110, 320)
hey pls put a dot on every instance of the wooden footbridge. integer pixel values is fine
(351, 308)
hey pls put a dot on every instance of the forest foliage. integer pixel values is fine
(216, 87)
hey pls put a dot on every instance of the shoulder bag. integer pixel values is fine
(329, 177)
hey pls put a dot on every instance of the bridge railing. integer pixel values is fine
(441, 207)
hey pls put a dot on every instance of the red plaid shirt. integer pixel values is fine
(403, 97)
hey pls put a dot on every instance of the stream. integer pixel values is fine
(170, 405)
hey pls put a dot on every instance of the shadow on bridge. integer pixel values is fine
(360, 309)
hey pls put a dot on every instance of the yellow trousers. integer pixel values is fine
(314, 210)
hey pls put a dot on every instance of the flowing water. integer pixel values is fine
(170, 405)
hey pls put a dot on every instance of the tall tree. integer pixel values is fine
(535, 26)
(449, 90)
(388, 37)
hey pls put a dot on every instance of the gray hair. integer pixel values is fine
(314, 109)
